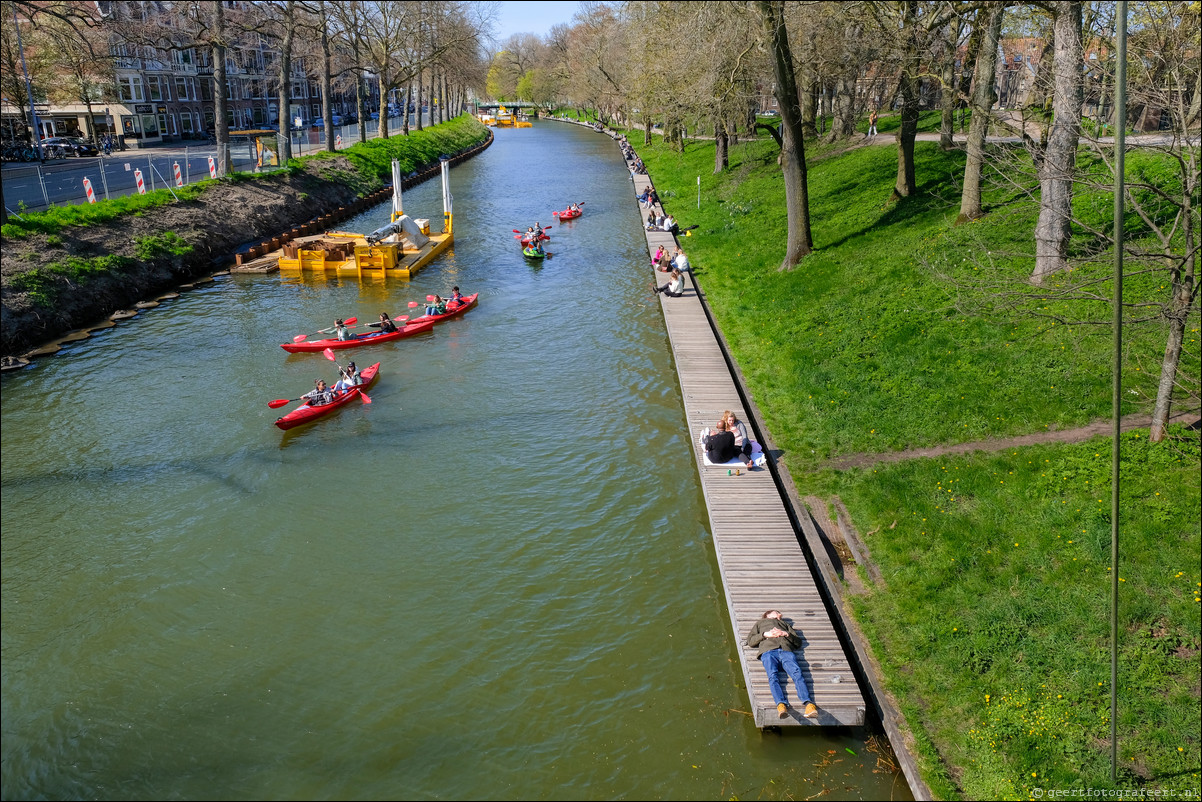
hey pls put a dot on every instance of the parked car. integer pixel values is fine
(337, 119)
(72, 145)
(770, 113)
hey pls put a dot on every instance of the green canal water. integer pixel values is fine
(495, 581)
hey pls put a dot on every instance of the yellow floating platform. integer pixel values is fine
(351, 254)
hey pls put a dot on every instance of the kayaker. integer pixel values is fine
(340, 329)
(350, 378)
(319, 395)
(436, 307)
(386, 325)
(455, 298)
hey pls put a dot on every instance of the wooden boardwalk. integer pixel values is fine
(759, 554)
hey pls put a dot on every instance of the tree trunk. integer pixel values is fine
(405, 109)
(809, 101)
(968, 65)
(948, 96)
(983, 98)
(221, 129)
(1053, 229)
(646, 130)
(843, 119)
(1180, 307)
(907, 89)
(793, 162)
(285, 74)
(326, 81)
(418, 102)
(721, 158)
(382, 128)
(361, 105)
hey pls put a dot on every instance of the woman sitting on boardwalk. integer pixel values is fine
(674, 287)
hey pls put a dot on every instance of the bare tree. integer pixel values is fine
(1057, 159)
(792, 153)
(983, 97)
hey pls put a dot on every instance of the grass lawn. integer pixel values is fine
(992, 625)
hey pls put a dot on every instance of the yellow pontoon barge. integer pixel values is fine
(398, 249)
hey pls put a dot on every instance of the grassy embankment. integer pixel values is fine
(372, 169)
(992, 622)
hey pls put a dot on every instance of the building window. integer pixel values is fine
(130, 88)
(157, 87)
(185, 122)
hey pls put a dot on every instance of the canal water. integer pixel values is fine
(495, 581)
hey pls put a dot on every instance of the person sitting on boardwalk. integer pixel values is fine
(319, 395)
(777, 644)
(680, 261)
(674, 287)
(719, 444)
(644, 194)
(742, 441)
(669, 224)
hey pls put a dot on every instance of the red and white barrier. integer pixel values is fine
(179, 177)
(138, 178)
(212, 167)
(338, 141)
(87, 187)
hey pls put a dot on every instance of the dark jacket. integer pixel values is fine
(757, 641)
(720, 447)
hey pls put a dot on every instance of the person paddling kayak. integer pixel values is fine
(319, 395)
(340, 329)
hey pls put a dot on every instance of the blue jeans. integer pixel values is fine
(773, 662)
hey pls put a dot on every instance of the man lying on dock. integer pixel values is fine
(777, 644)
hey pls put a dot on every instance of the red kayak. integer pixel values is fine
(568, 214)
(305, 413)
(408, 330)
(525, 241)
(468, 302)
